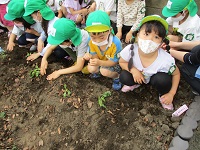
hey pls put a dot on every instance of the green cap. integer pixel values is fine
(15, 9)
(39, 5)
(173, 7)
(64, 29)
(154, 18)
(98, 21)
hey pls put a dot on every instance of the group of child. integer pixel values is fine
(148, 59)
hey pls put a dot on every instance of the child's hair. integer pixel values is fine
(26, 24)
(150, 26)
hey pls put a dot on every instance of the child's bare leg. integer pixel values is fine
(108, 73)
(93, 69)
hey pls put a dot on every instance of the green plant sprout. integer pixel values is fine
(28, 54)
(3, 55)
(2, 115)
(101, 98)
(35, 72)
(66, 91)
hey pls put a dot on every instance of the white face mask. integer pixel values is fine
(179, 18)
(147, 46)
(105, 42)
(64, 46)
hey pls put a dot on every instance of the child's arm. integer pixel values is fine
(60, 14)
(105, 63)
(76, 68)
(83, 11)
(184, 45)
(44, 62)
(137, 75)
(168, 97)
(32, 31)
(11, 43)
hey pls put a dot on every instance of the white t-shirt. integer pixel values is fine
(107, 5)
(4, 1)
(55, 5)
(163, 63)
(190, 28)
(20, 30)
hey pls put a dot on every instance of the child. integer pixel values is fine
(145, 62)
(65, 37)
(183, 18)
(5, 23)
(109, 7)
(76, 10)
(55, 6)
(41, 13)
(104, 48)
(129, 15)
(191, 62)
(25, 29)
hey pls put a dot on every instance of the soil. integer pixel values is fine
(36, 116)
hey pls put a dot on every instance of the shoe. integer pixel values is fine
(116, 84)
(165, 106)
(126, 88)
(33, 48)
(195, 93)
(95, 75)
(85, 70)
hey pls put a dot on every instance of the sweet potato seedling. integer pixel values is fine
(66, 91)
(102, 100)
(35, 72)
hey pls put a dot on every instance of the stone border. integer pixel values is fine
(188, 124)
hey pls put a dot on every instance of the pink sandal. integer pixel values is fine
(129, 88)
(165, 106)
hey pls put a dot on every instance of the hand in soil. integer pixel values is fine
(167, 98)
(10, 46)
(54, 75)
(43, 67)
(33, 56)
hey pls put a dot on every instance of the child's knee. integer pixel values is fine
(105, 72)
(92, 69)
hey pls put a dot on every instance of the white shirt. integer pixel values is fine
(162, 63)
(20, 30)
(4, 1)
(107, 6)
(190, 28)
(55, 5)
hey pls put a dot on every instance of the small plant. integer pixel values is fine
(3, 55)
(66, 92)
(28, 54)
(14, 147)
(2, 115)
(102, 100)
(35, 72)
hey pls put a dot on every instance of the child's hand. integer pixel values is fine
(10, 46)
(54, 75)
(167, 98)
(87, 56)
(33, 56)
(137, 76)
(43, 67)
(94, 62)
(128, 37)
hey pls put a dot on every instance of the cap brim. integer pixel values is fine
(76, 39)
(47, 13)
(9, 17)
(151, 18)
(53, 41)
(97, 28)
(167, 13)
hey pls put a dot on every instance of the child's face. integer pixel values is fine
(153, 36)
(36, 16)
(99, 37)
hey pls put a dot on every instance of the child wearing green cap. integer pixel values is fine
(41, 13)
(145, 62)
(65, 35)
(25, 29)
(104, 48)
(183, 20)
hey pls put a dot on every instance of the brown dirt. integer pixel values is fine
(37, 117)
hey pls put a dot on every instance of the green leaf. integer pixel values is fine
(64, 94)
(68, 92)
(65, 86)
(2, 115)
(100, 102)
